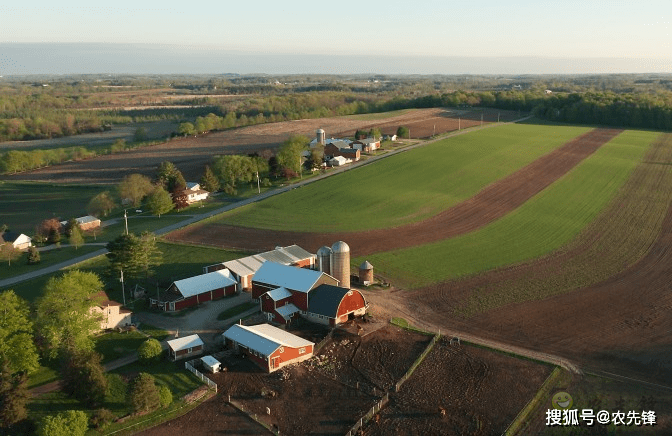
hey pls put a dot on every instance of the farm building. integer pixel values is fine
(366, 145)
(182, 348)
(341, 149)
(211, 363)
(285, 293)
(113, 314)
(333, 305)
(366, 273)
(85, 222)
(269, 347)
(18, 240)
(273, 275)
(338, 161)
(242, 270)
(194, 193)
(195, 290)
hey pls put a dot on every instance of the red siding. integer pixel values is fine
(191, 301)
(259, 290)
(300, 300)
(205, 296)
(303, 263)
(267, 303)
(218, 293)
(350, 303)
(230, 290)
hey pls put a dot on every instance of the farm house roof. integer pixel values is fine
(325, 299)
(279, 293)
(185, 342)
(204, 283)
(287, 310)
(263, 338)
(290, 277)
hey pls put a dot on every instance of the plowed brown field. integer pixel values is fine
(191, 155)
(493, 202)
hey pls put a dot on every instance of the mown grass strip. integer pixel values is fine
(235, 310)
(408, 187)
(543, 224)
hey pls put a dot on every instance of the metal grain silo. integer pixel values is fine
(340, 263)
(324, 259)
(321, 136)
(366, 273)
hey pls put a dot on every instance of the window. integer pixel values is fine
(282, 349)
(302, 350)
(189, 351)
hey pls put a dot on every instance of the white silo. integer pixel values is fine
(340, 263)
(324, 259)
(321, 136)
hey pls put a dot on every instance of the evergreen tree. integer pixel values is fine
(13, 395)
(209, 182)
(33, 256)
(83, 377)
(143, 394)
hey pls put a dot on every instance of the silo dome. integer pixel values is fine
(340, 263)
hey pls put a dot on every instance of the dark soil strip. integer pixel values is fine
(490, 204)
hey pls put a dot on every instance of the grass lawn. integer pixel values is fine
(25, 205)
(113, 345)
(546, 222)
(408, 187)
(47, 258)
(235, 310)
(155, 332)
(179, 261)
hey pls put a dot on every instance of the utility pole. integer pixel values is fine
(300, 172)
(498, 116)
(126, 221)
(459, 121)
(123, 293)
(258, 185)
(481, 119)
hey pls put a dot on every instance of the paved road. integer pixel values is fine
(196, 218)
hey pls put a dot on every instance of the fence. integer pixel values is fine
(198, 374)
(323, 342)
(253, 416)
(368, 415)
(417, 362)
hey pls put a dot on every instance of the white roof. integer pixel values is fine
(185, 342)
(279, 293)
(287, 310)
(193, 186)
(264, 338)
(285, 255)
(210, 361)
(290, 277)
(205, 282)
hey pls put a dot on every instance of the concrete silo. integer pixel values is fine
(340, 263)
(324, 259)
(321, 136)
(366, 273)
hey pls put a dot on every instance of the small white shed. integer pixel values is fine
(211, 364)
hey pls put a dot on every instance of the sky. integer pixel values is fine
(578, 35)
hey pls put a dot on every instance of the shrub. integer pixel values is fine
(150, 351)
(165, 396)
(101, 418)
(68, 423)
(143, 394)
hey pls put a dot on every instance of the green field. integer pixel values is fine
(24, 205)
(406, 188)
(546, 222)
(47, 258)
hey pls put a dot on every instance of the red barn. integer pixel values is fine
(299, 281)
(195, 290)
(182, 348)
(333, 305)
(269, 347)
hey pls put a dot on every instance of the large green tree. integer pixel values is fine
(68, 423)
(159, 201)
(150, 351)
(76, 238)
(209, 181)
(101, 205)
(168, 176)
(17, 347)
(13, 396)
(83, 377)
(135, 255)
(8, 252)
(65, 320)
(143, 394)
(289, 154)
(133, 188)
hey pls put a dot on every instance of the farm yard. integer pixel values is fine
(482, 392)
(190, 155)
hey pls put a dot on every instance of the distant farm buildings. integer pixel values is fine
(194, 193)
(18, 240)
(85, 222)
(338, 152)
(269, 347)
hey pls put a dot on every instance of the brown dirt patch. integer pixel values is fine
(191, 155)
(481, 390)
(490, 204)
